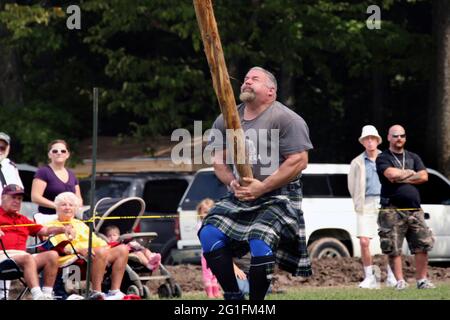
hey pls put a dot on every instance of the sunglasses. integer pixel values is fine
(3, 148)
(396, 136)
(58, 150)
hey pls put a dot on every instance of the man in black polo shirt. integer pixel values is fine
(401, 215)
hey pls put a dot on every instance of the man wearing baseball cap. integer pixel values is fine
(14, 231)
(8, 174)
(364, 186)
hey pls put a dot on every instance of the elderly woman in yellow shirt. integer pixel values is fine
(102, 255)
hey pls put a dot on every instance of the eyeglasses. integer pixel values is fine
(56, 151)
(3, 148)
(396, 136)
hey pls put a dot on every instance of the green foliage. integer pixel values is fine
(146, 56)
(34, 126)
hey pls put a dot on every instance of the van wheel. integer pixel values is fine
(328, 248)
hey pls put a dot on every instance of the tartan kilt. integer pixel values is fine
(275, 218)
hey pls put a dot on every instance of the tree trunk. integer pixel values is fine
(287, 95)
(439, 114)
(221, 82)
(11, 86)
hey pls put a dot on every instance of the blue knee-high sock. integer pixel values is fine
(211, 238)
(220, 260)
(259, 277)
(259, 248)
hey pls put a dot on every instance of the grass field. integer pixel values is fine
(442, 292)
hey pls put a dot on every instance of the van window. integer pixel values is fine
(204, 185)
(27, 179)
(435, 191)
(104, 188)
(316, 186)
(338, 184)
(163, 196)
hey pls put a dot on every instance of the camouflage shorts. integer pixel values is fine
(394, 225)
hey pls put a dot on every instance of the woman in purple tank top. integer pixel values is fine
(53, 178)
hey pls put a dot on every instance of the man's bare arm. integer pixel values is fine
(67, 229)
(288, 170)
(293, 165)
(221, 169)
(418, 178)
(396, 175)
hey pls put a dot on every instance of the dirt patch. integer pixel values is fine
(327, 272)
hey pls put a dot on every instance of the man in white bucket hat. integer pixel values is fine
(364, 186)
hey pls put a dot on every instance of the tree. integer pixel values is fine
(11, 86)
(146, 58)
(439, 113)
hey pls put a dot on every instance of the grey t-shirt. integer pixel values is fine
(272, 135)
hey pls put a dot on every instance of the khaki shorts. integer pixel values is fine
(366, 221)
(396, 224)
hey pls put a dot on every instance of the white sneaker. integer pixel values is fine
(96, 295)
(391, 282)
(44, 296)
(369, 283)
(401, 285)
(425, 284)
(115, 296)
(75, 297)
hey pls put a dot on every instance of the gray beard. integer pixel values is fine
(247, 96)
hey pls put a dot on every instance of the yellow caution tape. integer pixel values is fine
(164, 217)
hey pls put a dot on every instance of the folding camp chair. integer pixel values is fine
(9, 270)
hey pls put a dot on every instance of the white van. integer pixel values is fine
(330, 219)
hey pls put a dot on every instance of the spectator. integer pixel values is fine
(53, 179)
(8, 175)
(14, 241)
(8, 169)
(149, 259)
(209, 280)
(210, 283)
(400, 171)
(365, 187)
(102, 255)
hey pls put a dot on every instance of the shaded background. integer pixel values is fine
(147, 58)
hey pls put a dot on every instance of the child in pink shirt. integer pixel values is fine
(149, 259)
(209, 279)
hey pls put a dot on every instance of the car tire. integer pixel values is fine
(328, 248)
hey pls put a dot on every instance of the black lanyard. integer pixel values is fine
(401, 164)
(2, 177)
